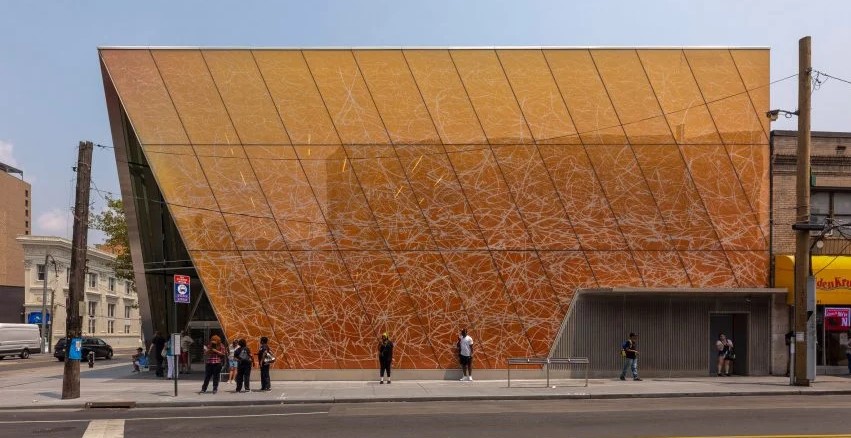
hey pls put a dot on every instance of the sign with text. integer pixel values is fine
(181, 289)
(837, 319)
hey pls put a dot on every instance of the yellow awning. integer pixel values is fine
(832, 273)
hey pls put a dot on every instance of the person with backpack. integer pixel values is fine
(385, 356)
(726, 355)
(265, 358)
(243, 371)
(629, 352)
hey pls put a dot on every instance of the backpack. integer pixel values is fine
(245, 355)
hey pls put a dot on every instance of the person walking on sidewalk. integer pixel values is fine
(169, 358)
(243, 371)
(385, 356)
(186, 342)
(265, 358)
(629, 352)
(214, 357)
(158, 344)
(465, 355)
(726, 355)
(233, 364)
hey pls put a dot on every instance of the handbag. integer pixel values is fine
(731, 355)
(268, 358)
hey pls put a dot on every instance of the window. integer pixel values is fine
(27, 224)
(110, 326)
(93, 281)
(40, 271)
(112, 284)
(92, 325)
(26, 202)
(127, 288)
(127, 312)
(27, 213)
(126, 328)
(835, 205)
(110, 310)
(68, 275)
(93, 307)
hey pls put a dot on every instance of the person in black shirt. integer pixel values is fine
(265, 359)
(629, 352)
(158, 343)
(385, 356)
(243, 370)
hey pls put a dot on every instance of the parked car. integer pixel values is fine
(97, 345)
(19, 340)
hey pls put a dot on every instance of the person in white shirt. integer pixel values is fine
(186, 341)
(465, 355)
(726, 356)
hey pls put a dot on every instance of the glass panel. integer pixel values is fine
(440, 197)
(143, 96)
(536, 198)
(841, 203)
(347, 329)
(630, 199)
(538, 96)
(614, 268)
(568, 271)
(195, 96)
(819, 207)
(529, 289)
(630, 92)
(753, 66)
(489, 197)
(661, 268)
(252, 233)
(686, 220)
(496, 326)
(390, 198)
(290, 310)
(587, 102)
(722, 194)
(447, 102)
(391, 309)
(576, 181)
(736, 121)
(202, 229)
(346, 96)
(245, 96)
(751, 165)
(180, 178)
(340, 197)
(492, 97)
(235, 186)
(750, 267)
(296, 96)
(396, 96)
(440, 309)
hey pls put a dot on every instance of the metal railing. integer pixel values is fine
(546, 362)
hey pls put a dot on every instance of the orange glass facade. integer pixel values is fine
(327, 196)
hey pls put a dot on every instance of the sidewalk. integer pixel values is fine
(112, 382)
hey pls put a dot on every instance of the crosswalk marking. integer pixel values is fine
(105, 429)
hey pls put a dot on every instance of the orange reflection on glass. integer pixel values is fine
(179, 176)
(235, 186)
(255, 234)
(753, 66)
(202, 229)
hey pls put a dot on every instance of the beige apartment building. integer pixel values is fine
(15, 208)
(111, 310)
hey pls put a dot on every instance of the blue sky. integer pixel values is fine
(51, 93)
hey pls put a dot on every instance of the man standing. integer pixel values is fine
(465, 355)
(629, 351)
(265, 358)
(243, 371)
(186, 342)
(158, 343)
(385, 357)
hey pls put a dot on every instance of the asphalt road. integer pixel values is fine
(46, 360)
(734, 416)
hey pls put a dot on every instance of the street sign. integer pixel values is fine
(181, 289)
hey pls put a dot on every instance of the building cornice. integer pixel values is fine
(63, 243)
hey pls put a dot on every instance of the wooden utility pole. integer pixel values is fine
(802, 236)
(71, 376)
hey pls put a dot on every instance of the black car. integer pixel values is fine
(97, 345)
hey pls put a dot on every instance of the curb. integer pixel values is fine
(520, 397)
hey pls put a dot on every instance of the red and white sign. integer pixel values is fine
(837, 319)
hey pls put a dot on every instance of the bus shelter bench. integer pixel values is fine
(546, 362)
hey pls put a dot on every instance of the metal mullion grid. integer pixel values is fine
(638, 164)
(206, 178)
(748, 93)
(687, 169)
(726, 148)
(555, 189)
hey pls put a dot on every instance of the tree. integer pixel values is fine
(113, 223)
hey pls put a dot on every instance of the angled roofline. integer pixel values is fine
(433, 47)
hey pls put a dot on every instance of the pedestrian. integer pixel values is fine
(214, 356)
(168, 352)
(790, 335)
(726, 355)
(385, 356)
(186, 342)
(158, 343)
(265, 359)
(465, 355)
(137, 360)
(233, 364)
(848, 354)
(243, 371)
(629, 352)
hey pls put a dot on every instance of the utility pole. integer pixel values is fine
(73, 325)
(802, 236)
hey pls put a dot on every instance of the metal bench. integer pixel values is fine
(546, 362)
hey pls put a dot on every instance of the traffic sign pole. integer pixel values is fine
(182, 294)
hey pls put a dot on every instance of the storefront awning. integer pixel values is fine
(832, 273)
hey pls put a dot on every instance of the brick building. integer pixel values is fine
(15, 207)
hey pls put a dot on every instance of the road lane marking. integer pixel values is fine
(105, 429)
(282, 414)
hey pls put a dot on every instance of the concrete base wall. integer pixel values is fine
(402, 374)
(780, 325)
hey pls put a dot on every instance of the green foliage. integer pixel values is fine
(113, 223)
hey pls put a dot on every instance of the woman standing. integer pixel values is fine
(726, 356)
(243, 371)
(232, 362)
(385, 356)
(215, 356)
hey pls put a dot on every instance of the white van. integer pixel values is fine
(19, 340)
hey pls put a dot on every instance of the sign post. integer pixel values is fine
(181, 296)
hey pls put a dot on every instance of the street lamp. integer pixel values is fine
(45, 343)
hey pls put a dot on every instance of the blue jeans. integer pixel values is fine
(630, 363)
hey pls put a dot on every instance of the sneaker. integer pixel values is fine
(381, 382)
(469, 378)
(389, 382)
(637, 379)
(463, 378)
(622, 378)
(203, 391)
